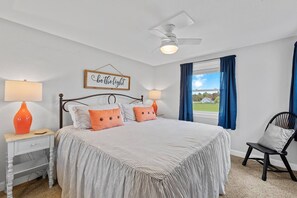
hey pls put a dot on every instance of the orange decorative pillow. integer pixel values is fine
(144, 113)
(103, 119)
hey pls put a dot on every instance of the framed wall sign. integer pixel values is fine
(102, 80)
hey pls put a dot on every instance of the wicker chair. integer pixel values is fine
(285, 120)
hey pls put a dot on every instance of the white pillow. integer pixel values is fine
(129, 112)
(275, 137)
(80, 114)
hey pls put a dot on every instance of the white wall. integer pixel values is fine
(263, 75)
(58, 63)
(263, 80)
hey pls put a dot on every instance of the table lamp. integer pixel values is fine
(22, 91)
(155, 95)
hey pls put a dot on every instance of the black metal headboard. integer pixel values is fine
(63, 102)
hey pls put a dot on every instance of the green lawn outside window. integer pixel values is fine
(206, 107)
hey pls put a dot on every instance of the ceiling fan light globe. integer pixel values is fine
(169, 49)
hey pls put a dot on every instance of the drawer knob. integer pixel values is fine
(33, 144)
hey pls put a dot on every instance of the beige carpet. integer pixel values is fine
(243, 182)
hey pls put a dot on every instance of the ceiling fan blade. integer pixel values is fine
(158, 33)
(189, 41)
(157, 49)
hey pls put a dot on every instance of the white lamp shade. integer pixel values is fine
(154, 94)
(22, 91)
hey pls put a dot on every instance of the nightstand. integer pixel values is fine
(27, 143)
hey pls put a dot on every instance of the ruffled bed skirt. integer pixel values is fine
(85, 171)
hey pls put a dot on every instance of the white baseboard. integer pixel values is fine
(2, 186)
(274, 162)
(19, 180)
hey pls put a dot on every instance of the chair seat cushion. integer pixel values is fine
(276, 137)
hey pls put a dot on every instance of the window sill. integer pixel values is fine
(204, 114)
(206, 117)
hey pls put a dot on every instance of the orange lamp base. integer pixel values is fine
(22, 120)
(155, 107)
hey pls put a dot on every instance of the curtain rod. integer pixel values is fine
(212, 59)
(206, 60)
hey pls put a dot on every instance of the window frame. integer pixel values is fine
(204, 68)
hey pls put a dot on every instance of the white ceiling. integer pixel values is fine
(121, 26)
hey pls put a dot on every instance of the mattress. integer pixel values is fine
(160, 158)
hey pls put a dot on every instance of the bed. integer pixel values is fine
(159, 158)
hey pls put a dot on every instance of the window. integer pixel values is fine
(205, 88)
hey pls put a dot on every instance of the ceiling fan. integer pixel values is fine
(169, 41)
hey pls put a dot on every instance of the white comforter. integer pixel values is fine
(161, 158)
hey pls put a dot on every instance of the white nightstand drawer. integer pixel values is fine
(30, 145)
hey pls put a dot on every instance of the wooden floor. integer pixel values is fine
(243, 182)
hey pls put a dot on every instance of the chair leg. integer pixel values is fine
(288, 167)
(248, 153)
(265, 166)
